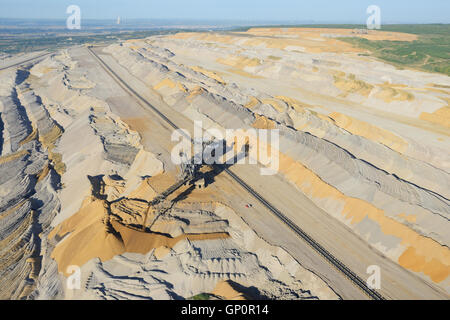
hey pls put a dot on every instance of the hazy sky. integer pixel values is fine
(392, 11)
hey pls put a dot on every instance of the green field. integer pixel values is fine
(431, 52)
(201, 296)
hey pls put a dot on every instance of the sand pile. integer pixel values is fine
(349, 84)
(197, 245)
(316, 33)
(89, 237)
(440, 116)
(227, 291)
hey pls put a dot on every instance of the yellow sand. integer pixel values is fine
(6, 213)
(261, 122)
(252, 103)
(440, 116)
(315, 44)
(434, 268)
(274, 103)
(194, 93)
(13, 156)
(239, 62)
(410, 218)
(49, 141)
(369, 131)
(88, 238)
(208, 73)
(45, 171)
(142, 242)
(225, 290)
(92, 234)
(165, 83)
(391, 93)
(349, 84)
(161, 252)
(144, 191)
(17, 250)
(295, 104)
(244, 73)
(316, 33)
(31, 137)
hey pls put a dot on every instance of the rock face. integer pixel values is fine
(353, 135)
(28, 188)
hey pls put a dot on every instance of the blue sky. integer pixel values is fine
(392, 11)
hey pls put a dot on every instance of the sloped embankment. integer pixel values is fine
(391, 190)
(28, 184)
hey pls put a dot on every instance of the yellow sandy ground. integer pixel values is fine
(239, 62)
(390, 92)
(45, 171)
(275, 104)
(349, 84)
(369, 131)
(165, 83)
(440, 116)
(194, 93)
(49, 141)
(90, 237)
(13, 156)
(142, 242)
(410, 218)
(244, 73)
(295, 104)
(225, 290)
(211, 74)
(419, 248)
(316, 33)
(31, 137)
(261, 122)
(94, 232)
(168, 83)
(252, 103)
(309, 39)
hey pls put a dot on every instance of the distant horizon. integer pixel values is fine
(269, 11)
(124, 20)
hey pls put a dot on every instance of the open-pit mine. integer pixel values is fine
(92, 205)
